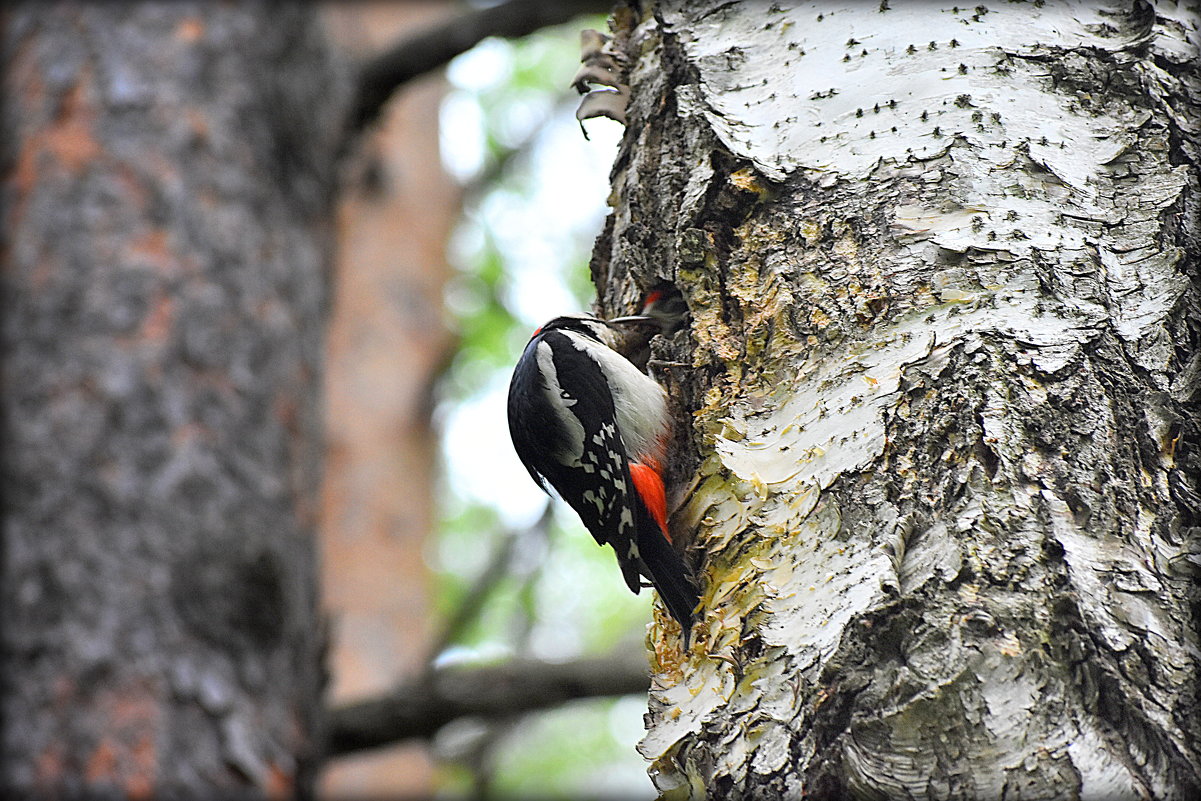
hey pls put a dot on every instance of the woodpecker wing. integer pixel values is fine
(574, 443)
(529, 414)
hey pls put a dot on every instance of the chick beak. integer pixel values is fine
(633, 318)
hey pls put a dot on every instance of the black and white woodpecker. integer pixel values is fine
(585, 420)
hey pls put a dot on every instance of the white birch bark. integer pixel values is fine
(938, 453)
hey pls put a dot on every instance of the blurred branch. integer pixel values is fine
(433, 47)
(479, 758)
(418, 709)
(469, 608)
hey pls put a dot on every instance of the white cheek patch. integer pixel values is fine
(561, 402)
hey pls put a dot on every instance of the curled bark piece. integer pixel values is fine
(604, 103)
(601, 66)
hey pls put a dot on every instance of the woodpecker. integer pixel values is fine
(663, 313)
(586, 421)
(666, 308)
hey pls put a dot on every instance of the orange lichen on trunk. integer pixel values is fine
(280, 783)
(102, 764)
(70, 138)
(49, 768)
(126, 755)
(152, 249)
(189, 29)
(156, 325)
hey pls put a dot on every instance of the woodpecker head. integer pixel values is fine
(593, 327)
(666, 307)
(662, 308)
(587, 325)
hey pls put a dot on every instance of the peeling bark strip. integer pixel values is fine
(942, 267)
(166, 181)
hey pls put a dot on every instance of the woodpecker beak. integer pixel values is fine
(633, 318)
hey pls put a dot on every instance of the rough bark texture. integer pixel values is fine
(166, 189)
(939, 444)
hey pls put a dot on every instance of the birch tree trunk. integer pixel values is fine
(938, 451)
(167, 177)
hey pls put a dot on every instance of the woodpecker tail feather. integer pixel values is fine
(667, 572)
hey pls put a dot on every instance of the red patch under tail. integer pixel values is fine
(649, 485)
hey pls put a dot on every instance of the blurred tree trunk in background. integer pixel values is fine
(387, 345)
(167, 185)
(939, 447)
